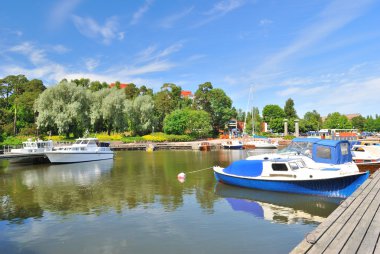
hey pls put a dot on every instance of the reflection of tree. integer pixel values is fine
(133, 180)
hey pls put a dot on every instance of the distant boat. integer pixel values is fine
(34, 147)
(260, 144)
(232, 144)
(205, 146)
(366, 157)
(309, 166)
(84, 149)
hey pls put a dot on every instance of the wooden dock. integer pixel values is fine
(354, 227)
(9, 156)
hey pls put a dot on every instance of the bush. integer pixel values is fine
(132, 139)
(12, 141)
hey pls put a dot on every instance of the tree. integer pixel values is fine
(113, 110)
(337, 121)
(272, 112)
(166, 101)
(290, 112)
(65, 107)
(358, 122)
(131, 91)
(202, 100)
(195, 123)
(140, 114)
(83, 82)
(312, 121)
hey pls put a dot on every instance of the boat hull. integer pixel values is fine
(233, 147)
(340, 187)
(59, 157)
(371, 167)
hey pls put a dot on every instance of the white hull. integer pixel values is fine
(72, 157)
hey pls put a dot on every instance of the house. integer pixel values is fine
(122, 86)
(187, 94)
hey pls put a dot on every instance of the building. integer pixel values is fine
(187, 94)
(122, 86)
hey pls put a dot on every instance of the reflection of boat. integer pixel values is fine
(51, 175)
(310, 166)
(366, 157)
(232, 144)
(84, 149)
(278, 207)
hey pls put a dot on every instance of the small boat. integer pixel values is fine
(232, 144)
(84, 149)
(260, 144)
(366, 157)
(34, 147)
(204, 146)
(310, 166)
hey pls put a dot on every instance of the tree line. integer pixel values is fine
(28, 107)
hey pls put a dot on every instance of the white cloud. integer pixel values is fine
(169, 21)
(140, 12)
(265, 22)
(91, 29)
(60, 49)
(36, 56)
(219, 10)
(152, 54)
(61, 11)
(91, 63)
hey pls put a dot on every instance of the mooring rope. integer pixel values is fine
(191, 172)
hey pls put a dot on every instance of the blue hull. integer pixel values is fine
(341, 187)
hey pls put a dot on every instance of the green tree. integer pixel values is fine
(358, 122)
(166, 101)
(272, 112)
(113, 110)
(337, 121)
(312, 121)
(140, 114)
(83, 82)
(202, 97)
(65, 107)
(195, 123)
(131, 91)
(289, 109)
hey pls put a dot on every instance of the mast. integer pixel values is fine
(246, 111)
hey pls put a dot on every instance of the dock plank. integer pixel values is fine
(347, 216)
(360, 233)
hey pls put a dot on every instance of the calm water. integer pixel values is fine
(135, 204)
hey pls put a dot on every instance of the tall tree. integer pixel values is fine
(140, 114)
(65, 107)
(131, 91)
(312, 121)
(337, 121)
(358, 122)
(289, 109)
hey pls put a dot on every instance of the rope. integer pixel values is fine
(198, 170)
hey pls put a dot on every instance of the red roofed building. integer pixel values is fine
(187, 94)
(121, 85)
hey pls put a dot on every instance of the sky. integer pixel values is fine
(323, 54)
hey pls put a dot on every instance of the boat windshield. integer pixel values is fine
(304, 148)
(78, 141)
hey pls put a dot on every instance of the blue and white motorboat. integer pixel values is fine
(307, 166)
(232, 144)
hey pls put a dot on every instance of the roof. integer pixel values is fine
(121, 85)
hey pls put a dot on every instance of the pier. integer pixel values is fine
(354, 227)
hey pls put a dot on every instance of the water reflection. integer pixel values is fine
(278, 207)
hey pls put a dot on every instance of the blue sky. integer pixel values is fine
(323, 54)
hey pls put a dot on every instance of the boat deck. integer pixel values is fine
(354, 227)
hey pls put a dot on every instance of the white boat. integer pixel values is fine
(366, 157)
(307, 166)
(84, 149)
(232, 144)
(34, 147)
(261, 144)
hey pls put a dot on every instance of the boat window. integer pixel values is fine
(359, 149)
(92, 142)
(279, 167)
(344, 148)
(78, 141)
(293, 165)
(323, 152)
(301, 164)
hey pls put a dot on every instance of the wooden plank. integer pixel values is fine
(315, 235)
(368, 245)
(357, 224)
(341, 221)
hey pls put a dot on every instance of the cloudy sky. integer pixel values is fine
(324, 54)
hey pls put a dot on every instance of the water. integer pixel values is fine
(135, 204)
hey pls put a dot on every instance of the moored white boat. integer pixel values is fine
(34, 147)
(84, 149)
(366, 157)
(232, 144)
(310, 166)
(261, 144)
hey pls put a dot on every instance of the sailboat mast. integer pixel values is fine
(246, 111)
